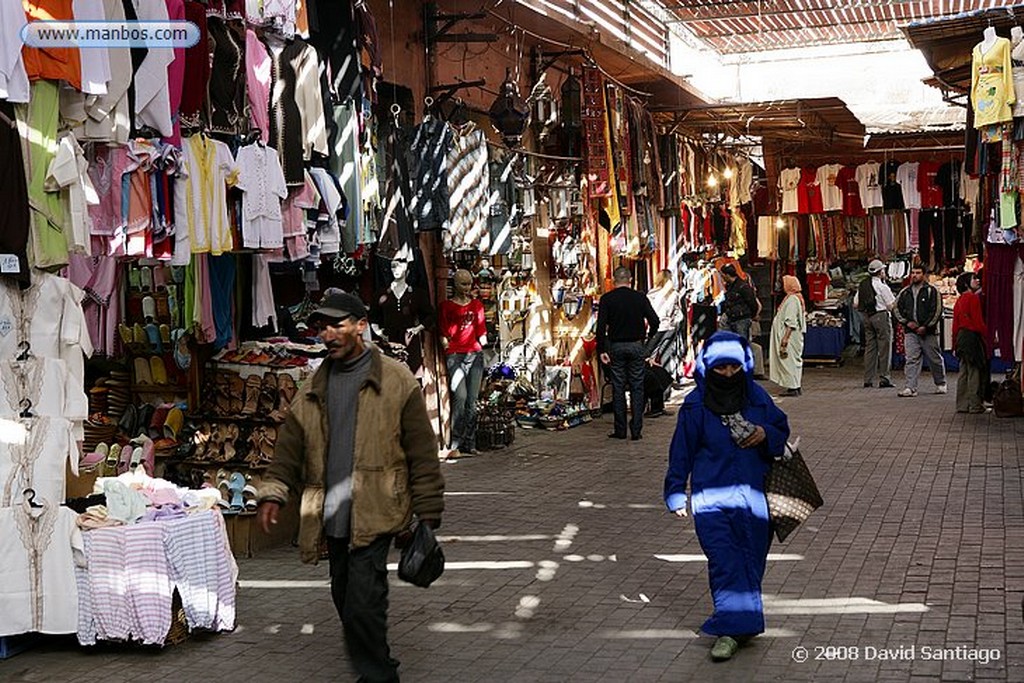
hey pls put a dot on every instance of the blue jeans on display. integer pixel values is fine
(628, 366)
(465, 374)
(359, 587)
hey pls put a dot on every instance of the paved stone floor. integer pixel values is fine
(564, 566)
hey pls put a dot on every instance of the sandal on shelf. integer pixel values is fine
(286, 390)
(253, 387)
(268, 394)
(201, 439)
(231, 434)
(237, 387)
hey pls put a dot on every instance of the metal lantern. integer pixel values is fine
(544, 112)
(509, 112)
(572, 101)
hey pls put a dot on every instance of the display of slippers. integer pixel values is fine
(143, 371)
(236, 486)
(158, 371)
(249, 495)
(92, 461)
(124, 462)
(113, 457)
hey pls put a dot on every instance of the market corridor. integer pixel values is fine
(564, 566)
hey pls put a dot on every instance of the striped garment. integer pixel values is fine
(125, 594)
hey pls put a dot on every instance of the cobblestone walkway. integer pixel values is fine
(564, 566)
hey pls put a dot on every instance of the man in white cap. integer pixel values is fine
(874, 301)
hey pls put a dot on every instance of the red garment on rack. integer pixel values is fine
(808, 193)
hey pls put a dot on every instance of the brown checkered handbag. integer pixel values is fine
(791, 492)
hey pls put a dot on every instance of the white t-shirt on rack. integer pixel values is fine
(870, 188)
(906, 176)
(831, 194)
(789, 183)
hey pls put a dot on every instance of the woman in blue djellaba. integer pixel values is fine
(727, 434)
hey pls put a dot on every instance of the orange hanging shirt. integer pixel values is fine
(52, 63)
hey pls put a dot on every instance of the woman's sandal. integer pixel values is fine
(253, 388)
(268, 394)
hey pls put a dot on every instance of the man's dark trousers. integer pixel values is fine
(359, 586)
(627, 369)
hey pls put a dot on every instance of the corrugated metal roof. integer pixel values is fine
(900, 120)
(731, 26)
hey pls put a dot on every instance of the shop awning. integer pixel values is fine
(947, 43)
(825, 120)
(736, 26)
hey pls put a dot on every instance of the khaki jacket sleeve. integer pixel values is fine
(287, 472)
(426, 484)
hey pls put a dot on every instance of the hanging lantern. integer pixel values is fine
(573, 304)
(557, 293)
(544, 113)
(509, 113)
(572, 101)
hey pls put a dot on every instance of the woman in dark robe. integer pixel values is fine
(727, 434)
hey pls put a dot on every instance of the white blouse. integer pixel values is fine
(47, 383)
(39, 549)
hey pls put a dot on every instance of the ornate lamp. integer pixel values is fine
(509, 113)
(572, 102)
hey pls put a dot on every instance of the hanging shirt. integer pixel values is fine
(47, 384)
(809, 197)
(992, 83)
(152, 96)
(906, 175)
(39, 549)
(870, 186)
(831, 193)
(892, 193)
(95, 60)
(928, 186)
(789, 184)
(15, 215)
(69, 175)
(37, 124)
(202, 195)
(107, 118)
(468, 185)
(846, 180)
(257, 80)
(52, 63)
(197, 69)
(13, 79)
(261, 181)
(35, 453)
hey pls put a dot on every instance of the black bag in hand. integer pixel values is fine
(422, 561)
(791, 492)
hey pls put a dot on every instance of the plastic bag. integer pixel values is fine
(422, 561)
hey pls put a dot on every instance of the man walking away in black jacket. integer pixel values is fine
(621, 333)
(740, 303)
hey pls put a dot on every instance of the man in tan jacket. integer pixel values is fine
(359, 448)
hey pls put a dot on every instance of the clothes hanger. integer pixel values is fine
(25, 348)
(26, 411)
(29, 495)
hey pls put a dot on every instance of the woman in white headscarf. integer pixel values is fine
(786, 353)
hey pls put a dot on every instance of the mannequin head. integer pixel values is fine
(463, 283)
(399, 269)
(400, 263)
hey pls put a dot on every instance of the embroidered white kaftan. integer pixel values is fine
(35, 453)
(39, 549)
(261, 180)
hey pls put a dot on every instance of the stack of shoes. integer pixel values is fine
(98, 429)
(118, 393)
(98, 404)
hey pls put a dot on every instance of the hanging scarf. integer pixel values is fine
(725, 395)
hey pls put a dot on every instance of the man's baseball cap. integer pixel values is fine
(875, 266)
(338, 306)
